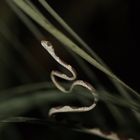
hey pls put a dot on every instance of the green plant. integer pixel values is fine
(24, 98)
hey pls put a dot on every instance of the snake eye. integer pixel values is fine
(46, 44)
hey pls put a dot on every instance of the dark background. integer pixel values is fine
(111, 29)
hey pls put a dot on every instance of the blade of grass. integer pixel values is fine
(39, 36)
(21, 104)
(116, 110)
(76, 36)
(37, 93)
(32, 6)
(48, 123)
(113, 109)
(120, 88)
(79, 61)
(68, 43)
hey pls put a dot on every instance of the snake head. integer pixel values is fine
(47, 46)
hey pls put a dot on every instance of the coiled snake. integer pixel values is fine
(48, 46)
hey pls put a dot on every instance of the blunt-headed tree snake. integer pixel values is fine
(49, 48)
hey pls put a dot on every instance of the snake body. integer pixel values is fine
(49, 48)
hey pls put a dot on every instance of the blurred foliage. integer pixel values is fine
(27, 93)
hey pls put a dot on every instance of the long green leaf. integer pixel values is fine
(67, 42)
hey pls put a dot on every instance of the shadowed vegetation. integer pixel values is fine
(27, 92)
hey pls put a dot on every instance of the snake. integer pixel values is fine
(57, 74)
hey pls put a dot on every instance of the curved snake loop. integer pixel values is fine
(47, 45)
